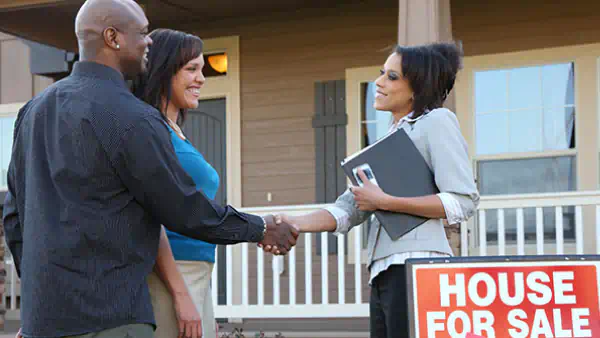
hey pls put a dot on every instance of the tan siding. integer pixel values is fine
(488, 27)
(15, 77)
(17, 84)
(40, 83)
(282, 56)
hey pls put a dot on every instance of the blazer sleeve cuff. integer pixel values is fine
(342, 219)
(454, 213)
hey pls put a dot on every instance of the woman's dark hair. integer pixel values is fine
(170, 51)
(430, 71)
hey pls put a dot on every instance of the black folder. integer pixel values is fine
(400, 170)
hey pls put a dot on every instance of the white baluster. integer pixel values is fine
(229, 267)
(559, 230)
(341, 271)
(579, 229)
(292, 264)
(324, 269)
(482, 234)
(539, 230)
(357, 264)
(260, 273)
(501, 233)
(464, 239)
(308, 266)
(245, 264)
(520, 233)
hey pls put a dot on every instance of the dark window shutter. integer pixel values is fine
(330, 122)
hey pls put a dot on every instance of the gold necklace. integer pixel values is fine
(176, 128)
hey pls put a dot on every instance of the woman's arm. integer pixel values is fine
(316, 221)
(370, 197)
(167, 270)
(188, 317)
(458, 197)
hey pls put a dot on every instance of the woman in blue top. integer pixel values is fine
(182, 306)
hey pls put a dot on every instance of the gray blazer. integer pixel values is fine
(437, 136)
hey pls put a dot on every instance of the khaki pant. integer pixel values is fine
(125, 331)
(197, 278)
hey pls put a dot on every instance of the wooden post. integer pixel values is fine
(420, 22)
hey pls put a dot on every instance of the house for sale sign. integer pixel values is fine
(540, 296)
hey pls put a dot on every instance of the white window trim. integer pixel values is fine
(355, 79)
(9, 110)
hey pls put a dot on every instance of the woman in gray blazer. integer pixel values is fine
(413, 85)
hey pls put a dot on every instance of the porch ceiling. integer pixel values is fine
(51, 21)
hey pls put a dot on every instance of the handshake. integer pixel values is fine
(280, 235)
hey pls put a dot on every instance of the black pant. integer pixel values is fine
(388, 305)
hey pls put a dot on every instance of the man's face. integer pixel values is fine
(134, 49)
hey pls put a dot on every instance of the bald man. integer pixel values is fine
(92, 177)
(114, 33)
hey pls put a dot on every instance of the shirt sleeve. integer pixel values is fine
(454, 213)
(149, 168)
(12, 229)
(341, 217)
(346, 213)
(451, 166)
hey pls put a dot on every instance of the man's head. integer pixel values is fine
(114, 33)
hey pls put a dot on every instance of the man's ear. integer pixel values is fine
(111, 38)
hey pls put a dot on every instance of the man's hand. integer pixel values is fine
(279, 238)
(19, 335)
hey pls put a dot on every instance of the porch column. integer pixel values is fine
(587, 132)
(425, 21)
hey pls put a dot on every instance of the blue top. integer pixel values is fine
(207, 180)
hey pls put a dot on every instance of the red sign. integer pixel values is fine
(508, 299)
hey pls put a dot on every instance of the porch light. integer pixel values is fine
(218, 62)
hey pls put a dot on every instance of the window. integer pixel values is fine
(525, 139)
(374, 125)
(7, 121)
(527, 109)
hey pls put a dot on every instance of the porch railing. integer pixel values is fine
(311, 284)
(328, 306)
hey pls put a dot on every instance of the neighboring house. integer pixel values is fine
(297, 93)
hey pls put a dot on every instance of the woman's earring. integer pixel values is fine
(118, 47)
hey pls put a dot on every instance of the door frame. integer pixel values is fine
(355, 78)
(228, 87)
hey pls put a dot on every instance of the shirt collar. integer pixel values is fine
(407, 118)
(99, 71)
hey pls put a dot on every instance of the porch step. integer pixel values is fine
(303, 328)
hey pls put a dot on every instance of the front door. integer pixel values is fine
(205, 127)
